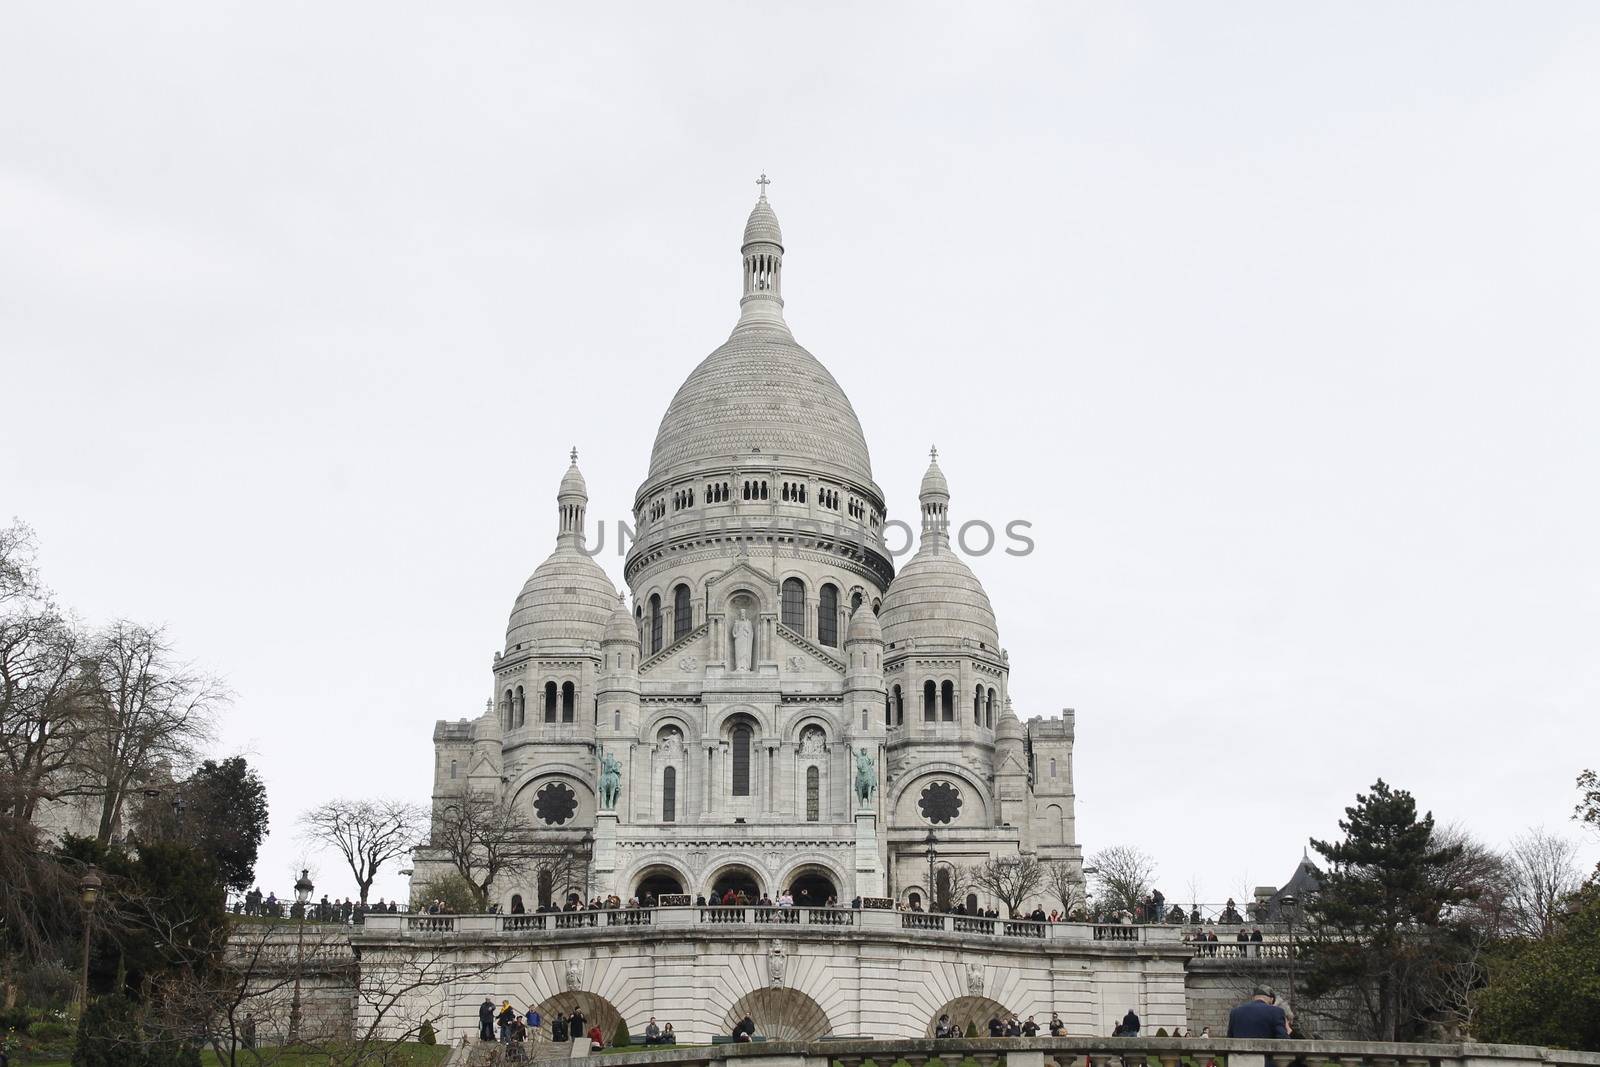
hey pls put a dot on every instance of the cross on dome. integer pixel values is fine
(574, 455)
(762, 183)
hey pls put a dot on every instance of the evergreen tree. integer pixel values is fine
(1382, 927)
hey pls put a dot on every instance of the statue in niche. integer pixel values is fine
(744, 642)
(812, 741)
(866, 777)
(610, 781)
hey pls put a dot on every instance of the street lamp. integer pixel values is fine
(1291, 904)
(302, 897)
(89, 893)
(933, 854)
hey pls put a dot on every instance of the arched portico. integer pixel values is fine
(597, 1011)
(780, 1014)
(969, 1013)
(655, 879)
(734, 876)
(811, 883)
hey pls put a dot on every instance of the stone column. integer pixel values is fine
(605, 855)
(869, 875)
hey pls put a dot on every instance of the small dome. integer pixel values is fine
(933, 483)
(1008, 728)
(936, 598)
(572, 483)
(621, 628)
(567, 600)
(864, 626)
(763, 225)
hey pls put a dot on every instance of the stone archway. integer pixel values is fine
(597, 1011)
(780, 1014)
(735, 876)
(970, 1012)
(656, 880)
(811, 885)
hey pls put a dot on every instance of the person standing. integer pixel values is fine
(577, 1025)
(533, 1019)
(1258, 1017)
(1130, 1024)
(486, 1020)
(1057, 1027)
(558, 1028)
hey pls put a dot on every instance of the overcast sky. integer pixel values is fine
(1279, 324)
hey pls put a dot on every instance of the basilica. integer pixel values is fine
(773, 708)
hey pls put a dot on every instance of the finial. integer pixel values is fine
(933, 453)
(762, 183)
(488, 705)
(574, 453)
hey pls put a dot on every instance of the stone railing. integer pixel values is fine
(1103, 1052)
(828, 919)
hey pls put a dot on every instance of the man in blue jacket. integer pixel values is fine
(1259, 1016)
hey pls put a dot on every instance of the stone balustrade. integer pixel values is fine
(833, 919)
(1102, 1052)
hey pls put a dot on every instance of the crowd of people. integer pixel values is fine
(347, 911)
(516, 1030)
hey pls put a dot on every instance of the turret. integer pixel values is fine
(483, 776)
(864, 692)
(618, 689)
(1010, 769)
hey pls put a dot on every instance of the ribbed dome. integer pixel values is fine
(761, 392)
(763, 225)
(567, 600)
(933, 482)
(936, 598)
(864, 626)
(1008, 728)
(572, 483)
(621, 626)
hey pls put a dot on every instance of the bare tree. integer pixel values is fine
(1065, 882)
(1010, 879)
(1123, 878)
(484, 838)
(147, 711)
(367, 833)
(1543, 873)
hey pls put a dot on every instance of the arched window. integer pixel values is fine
(855, 601)
(1052, 768)
(682, 613)
(569, 697)
(452, 770)
(813, 794)
(508, 710)
(947, 702)
(549, 702)
(741, 760)
(977, 707)
(888, 710)
(616, 719)
(521, 708)
(899, 707)
(669, 795)
(972, 903)
(794, 605)
(930, 697)
(988, 715)
(828, 616)
(655, 623)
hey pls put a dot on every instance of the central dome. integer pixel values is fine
(761, 392)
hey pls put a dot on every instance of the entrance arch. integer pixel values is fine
(969, 1013)
(812, 886)
(597, 1011)
(780, 1014)
(657, 880)
(737, 877)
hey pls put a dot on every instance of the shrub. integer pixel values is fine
(114, 1032)
(49, 1032)
(48, 985)
(619, 1038)
(427, 1035)
(454, 890)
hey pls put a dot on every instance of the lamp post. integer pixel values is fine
(1291, 904)
(933, 854)
(89, 893)
(302, 897)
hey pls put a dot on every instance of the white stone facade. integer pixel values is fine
(769, 644)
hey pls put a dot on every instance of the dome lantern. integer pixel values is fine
(762, 301)
(934, 496)
(571, 499)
